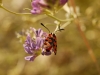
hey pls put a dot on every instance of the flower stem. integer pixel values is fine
(53, 17)
(58, 26)
(1, 6)
(59, 19)
(90, 50)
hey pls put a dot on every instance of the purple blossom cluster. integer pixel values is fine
(34, 45)
(39, 6)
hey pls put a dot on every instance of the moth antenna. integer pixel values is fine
(45, 27)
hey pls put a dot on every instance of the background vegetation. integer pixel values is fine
(72, 57)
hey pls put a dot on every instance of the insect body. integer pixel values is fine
(50, 43)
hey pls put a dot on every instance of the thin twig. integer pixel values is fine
(1, 6)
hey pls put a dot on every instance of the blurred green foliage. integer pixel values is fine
(72, 57)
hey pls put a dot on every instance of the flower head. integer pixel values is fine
(39, 6)
(33, 44)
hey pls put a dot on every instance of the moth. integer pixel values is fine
(50, 42)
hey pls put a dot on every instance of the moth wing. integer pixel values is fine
(54, 44)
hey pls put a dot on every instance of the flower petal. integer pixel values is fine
(29, 45)
(39, 42)
(27, 49)
(35, 3)
(38, 32)
(36, 7)
(45, 34)
(30, 58)
(36, 11)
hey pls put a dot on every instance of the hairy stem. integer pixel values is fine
(1, 6)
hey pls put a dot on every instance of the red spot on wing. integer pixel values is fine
(51, 43)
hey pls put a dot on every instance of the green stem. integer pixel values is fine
(53, 17)
(58, 26)
(59, 19)
(14, 12)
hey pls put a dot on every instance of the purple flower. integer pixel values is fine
(38, 32)
(34, 45)
(39, 6)
(30, 58)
